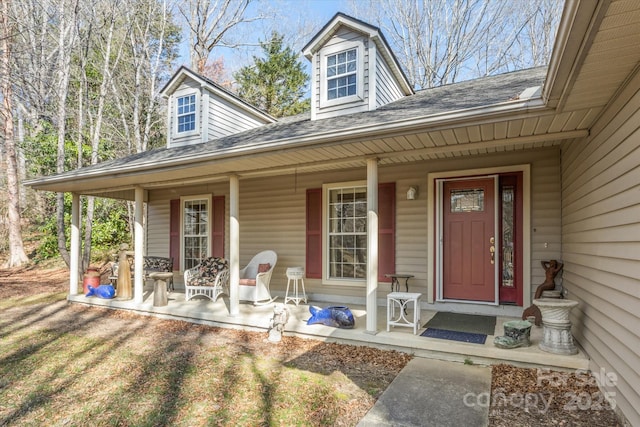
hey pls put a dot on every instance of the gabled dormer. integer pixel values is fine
(199, 110)
(353, 69)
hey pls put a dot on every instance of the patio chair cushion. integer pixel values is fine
(208, 270)
(263, 268)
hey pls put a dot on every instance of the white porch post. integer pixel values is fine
(372, 246)
(138, 279)
(234, 246)
(74, 262)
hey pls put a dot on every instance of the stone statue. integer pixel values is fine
(551, 268)
(277, 323)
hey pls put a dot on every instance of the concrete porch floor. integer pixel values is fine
(256, 318)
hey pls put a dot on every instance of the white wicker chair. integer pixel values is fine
(255, 278)
(210, 278)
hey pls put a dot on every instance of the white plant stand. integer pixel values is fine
(401, 299)
(295, 276)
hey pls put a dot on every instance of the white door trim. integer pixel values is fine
(434, 206)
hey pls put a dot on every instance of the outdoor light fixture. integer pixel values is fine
(412, 192)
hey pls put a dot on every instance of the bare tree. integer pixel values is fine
(541, 29)
(17, 256)
(209, 23)
(152, 41)
(67, 13)
(443, 41)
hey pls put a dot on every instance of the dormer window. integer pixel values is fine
(341, 74)
(186, 113)
(353, 69)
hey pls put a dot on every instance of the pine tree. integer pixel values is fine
(275, 83)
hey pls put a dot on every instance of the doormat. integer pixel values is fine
(454, 335)
(460, 322)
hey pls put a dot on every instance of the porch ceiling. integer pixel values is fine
(526, 131)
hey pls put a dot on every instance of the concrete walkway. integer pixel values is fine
(430, 392)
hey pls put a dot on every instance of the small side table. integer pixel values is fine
(295, 274)
(160, 288)
(395, 283)
(401, 299)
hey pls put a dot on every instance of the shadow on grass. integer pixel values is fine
(46, 347)
(146, 371)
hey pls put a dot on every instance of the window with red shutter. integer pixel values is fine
(204, 223)
(386, 232)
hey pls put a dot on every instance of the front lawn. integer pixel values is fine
(64, 364)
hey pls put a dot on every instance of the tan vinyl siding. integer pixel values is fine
(546, 227)
(157, 230)
(272, 215)
(387, 89)
(601, 245)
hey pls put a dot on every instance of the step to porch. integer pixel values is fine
(256, 318)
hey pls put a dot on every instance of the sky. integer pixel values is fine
(298, 20)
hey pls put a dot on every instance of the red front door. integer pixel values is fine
(468, 245)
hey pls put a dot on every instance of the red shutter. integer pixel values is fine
(174, 233)
(386, 230)
(217, 226)
(313, 267)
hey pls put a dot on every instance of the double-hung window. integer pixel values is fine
(347, 236)
(342, 74)
(336, 233)
(196, 229)
(186, 113)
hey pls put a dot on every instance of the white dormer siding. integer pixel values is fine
(218, 112)
(377, 81)
(386, 89)
(227, 119)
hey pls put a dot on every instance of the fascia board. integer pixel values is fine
(578, 25)
(436, 120)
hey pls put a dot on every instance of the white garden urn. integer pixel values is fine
(557, 336)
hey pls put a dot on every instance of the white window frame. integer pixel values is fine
(196, 128)
(183, 200)
(334, 50)
(326, 278)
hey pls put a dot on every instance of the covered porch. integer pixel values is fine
(257, 317)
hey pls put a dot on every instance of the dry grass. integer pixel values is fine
(64, 364)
